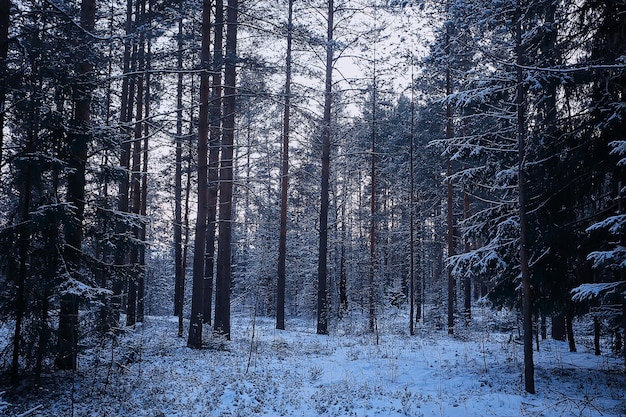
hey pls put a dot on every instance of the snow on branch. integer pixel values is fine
(615, 225)
(619, 148)
(74, 287)
(585, 292)
(611, 259)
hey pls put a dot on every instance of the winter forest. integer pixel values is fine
(313, 208)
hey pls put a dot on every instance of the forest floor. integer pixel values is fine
(351, 372)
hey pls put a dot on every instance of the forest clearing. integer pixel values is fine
(477, 373)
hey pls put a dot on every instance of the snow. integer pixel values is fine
(590, 291)
(296, 372)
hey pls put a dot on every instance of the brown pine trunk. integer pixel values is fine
(372, 265)
(22, 269)
(284, 184)
(131, 308)
(529, 367)
(5, 12)
(322, 295)
(569, 325)
(596, 336)
(78, 144)
(126, 115)
(141, 284)
(450, 194)
(558, 327)
(195, 322)
(215, 124)
(179, 273)
(224, 252)
(412, 215)
(467, 280)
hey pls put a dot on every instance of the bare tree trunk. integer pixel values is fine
(131, 308)
(529, 367)
(467, 280)
(179, 273)
(126, 115)
(22, 267)
(284, 183)
(322, 292)
(141, 284)
(569, 325)
(78, 144)
(5, 12)
(412, 215)
(186, 220)
(215, 124)
(224, 253)
(195, 323)
(449, 192)
(372, 265)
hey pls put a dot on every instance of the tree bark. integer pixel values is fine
(412, 215)
(133, 283)
(596, 336)
(529, 367)
(141, 284)
(558, 327)
(179, 273)
(467, 279)
(78, 141)
(569, 325)
(194, 339)
(284, 183)
(322, 295)
(5, 13)
(372, 265)
(215, 125)
(126, 115)
(224, 252)
(449, 191)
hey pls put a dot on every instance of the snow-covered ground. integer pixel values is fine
(266, 372)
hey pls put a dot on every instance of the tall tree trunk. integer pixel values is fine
(558, 327)
(5, 12)
(412, 214)
(126, 115)
(343, 278)
(284, 183)
(78, 145)
(372, 263)
(195, 323)
(569, 325)
(224, 252)
(215, 124)
(520, 102)
(22, 267)
(141, 284)
(322, 296)
(131, 309)
(467, 279)
(449, 188)
(179, 273)
(450, 224)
